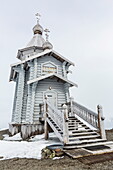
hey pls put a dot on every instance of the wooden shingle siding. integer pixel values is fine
(28, 115)
(42, 87)
(29, 97)
(15, 99)
(19, 96)
(25, 97)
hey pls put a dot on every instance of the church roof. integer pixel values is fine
(52, 75)
(37, 40)
(52, 52)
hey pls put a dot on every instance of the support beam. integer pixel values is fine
(46, 128)
(66, 86)
(33, 100)
(29, 116)
(101, 122)
(19, 95)
(65, 124)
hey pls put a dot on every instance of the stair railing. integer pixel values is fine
(56, 115)
(94, 119)
(86, 114)
(59, 117)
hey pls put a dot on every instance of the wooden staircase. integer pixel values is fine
(73, 131)
(80, 135)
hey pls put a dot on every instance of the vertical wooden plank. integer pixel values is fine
(46, 130)
(15, 99)
(101, 122)
(20, 89)
(65, 124)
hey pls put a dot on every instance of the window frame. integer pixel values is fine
(48, 62)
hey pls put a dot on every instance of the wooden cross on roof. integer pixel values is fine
(38, 17)
(47, 33)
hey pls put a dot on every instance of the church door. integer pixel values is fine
(51, 97)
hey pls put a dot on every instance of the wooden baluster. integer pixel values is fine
(71, 105)
(90, 118)
(93, 123)
(101, 122)
(87, 116)
(65, 124)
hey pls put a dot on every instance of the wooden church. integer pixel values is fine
(42, 100)
(41, 72)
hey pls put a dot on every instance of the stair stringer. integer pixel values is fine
(55, 129)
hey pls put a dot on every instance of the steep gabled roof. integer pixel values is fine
(52, 75)
(50, 52)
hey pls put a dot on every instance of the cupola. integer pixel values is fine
(47, 44)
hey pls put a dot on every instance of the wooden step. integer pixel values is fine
(71, 117)
(83, 137)
(85, 142)
(73, 123)
(76, 128)
(87, 145)
(83, 125)
(72, 126)
(81, 133)
(72, 120)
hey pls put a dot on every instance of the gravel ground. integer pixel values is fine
(59, 164)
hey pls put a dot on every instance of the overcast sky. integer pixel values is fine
(81, 30)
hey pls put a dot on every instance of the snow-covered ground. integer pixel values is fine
(12, 147)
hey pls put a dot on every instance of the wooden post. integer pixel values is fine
(71, 105)
(46, 131)
(101, 122)
(65, 124)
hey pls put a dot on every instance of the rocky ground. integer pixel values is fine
(59, 164)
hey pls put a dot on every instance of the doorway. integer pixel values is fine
(51, 97)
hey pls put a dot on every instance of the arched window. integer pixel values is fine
(49, 67)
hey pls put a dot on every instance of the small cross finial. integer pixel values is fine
(46, 33)
(38, 17)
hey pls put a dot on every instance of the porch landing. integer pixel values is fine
(92, 154)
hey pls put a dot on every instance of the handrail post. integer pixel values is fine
(65, 124)
(46, 131)
(71, 105)
(101, 122)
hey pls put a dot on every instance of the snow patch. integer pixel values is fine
(16, 137)
(23, 149)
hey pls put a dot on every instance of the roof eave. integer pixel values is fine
(49, 75)
(65, 59)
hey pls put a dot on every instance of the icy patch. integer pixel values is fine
(58, 157)
(37, 137)
(16, 137)
(23, 149)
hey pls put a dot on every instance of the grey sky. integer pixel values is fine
(81, 30)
